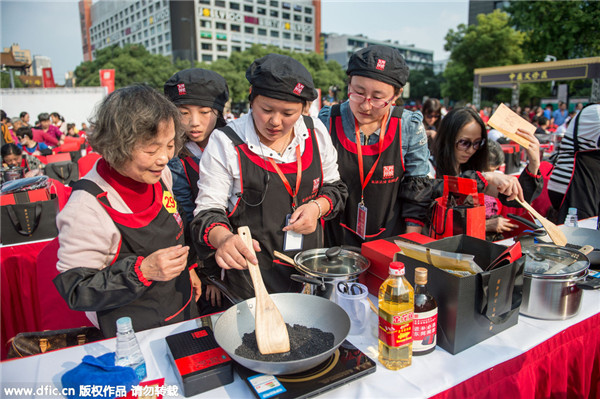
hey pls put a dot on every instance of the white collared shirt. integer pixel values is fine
(220, 170)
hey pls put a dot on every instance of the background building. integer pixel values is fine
(340, 47)
(477, 7)
(203, 30)
(40, 62)
(22, 57)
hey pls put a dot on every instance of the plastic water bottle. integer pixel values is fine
(571, 218)
(128, 352)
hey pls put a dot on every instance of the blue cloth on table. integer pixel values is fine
(99, 372)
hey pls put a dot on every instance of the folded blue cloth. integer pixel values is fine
(98, 377)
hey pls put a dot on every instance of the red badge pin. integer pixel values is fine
(298, 89)
(380, 64)
(181, 88)
(388, 172)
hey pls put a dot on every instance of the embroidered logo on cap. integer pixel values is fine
(388, 172)
(298, 89)
(181, 88)
(380, 64)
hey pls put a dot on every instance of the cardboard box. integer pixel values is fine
(470, 309)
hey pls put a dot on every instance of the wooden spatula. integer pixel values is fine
(555, 234)
(271, 332)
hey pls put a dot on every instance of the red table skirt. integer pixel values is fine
(565, 366)
(19, 295)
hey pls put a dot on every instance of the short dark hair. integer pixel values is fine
(10, 149)
(495, 154)
(24, 131)
(130, 115)
(43, 117)
(445, 142)
(3, 115)
(23, 114)
(542, 120)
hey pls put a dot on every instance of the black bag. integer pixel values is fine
(473, 308)
(30, 221)
(33, 343)
(65, 172)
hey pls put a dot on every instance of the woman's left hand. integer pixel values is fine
(533, 151)
(196, 285)
(304, 219)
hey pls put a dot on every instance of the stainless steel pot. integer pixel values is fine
(324, 268)
(552, 292)
(307, 310)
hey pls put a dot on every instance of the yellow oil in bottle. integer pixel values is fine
(396, 307)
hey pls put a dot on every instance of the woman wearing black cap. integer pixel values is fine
(272, 170)
(200, 95)
(382, 152)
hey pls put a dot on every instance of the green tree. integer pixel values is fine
(233, 69)
(424, 84)
(564, 29)
(132, 64)
(490, 43)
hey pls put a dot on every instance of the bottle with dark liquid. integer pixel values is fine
(425, 317)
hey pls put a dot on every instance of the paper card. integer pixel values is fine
(506, 121)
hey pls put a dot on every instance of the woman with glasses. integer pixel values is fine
(461, 149)
(382, 152)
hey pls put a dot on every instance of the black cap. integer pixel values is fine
(281, 77)
(382, 63)
(197, 86)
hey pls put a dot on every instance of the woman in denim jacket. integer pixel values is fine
(386, 173)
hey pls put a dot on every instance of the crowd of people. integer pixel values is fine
(177, 176)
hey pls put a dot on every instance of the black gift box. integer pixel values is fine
(65, 172)
(474, 308)
(30, 221)
(200, 364)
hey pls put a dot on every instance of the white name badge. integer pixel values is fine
(361, 221)
(292, 241)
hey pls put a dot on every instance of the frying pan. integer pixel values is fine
(308, 310)
(577, 237)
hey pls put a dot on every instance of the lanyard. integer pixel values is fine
(286, 183)
(364, 181)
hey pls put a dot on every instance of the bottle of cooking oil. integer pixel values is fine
(396, 307)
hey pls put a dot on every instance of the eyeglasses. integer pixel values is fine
(464, 144)
(432, 115)
(375, 102)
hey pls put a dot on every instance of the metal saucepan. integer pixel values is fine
(553, 280)
(307, 310)
(577, 237)
(324, 268)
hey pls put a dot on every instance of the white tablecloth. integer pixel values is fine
(427, 375)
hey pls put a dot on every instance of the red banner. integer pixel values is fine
(48, 77)
(107, 79)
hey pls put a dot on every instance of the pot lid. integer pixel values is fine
(331, 262)
(552, 261)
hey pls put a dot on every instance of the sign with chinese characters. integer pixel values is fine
(537, 75)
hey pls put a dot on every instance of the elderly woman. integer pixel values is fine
(121, 237)
(273, 170)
